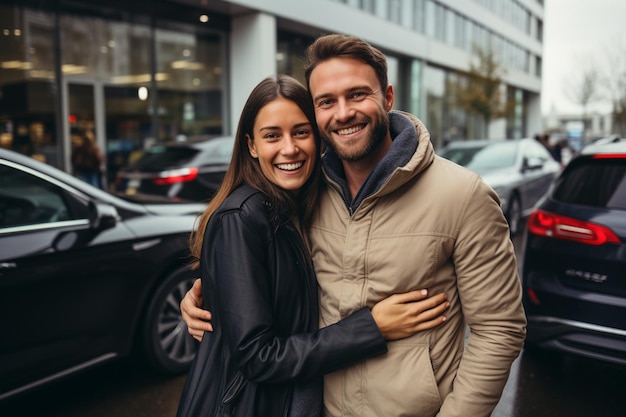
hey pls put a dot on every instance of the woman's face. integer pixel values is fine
(284, 144)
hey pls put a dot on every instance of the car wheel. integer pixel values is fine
(514, 215)
(167, 345)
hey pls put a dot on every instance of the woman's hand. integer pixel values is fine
(402, 315)
(196, 318)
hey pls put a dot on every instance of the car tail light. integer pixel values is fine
(532, 296)
(610, 156)
(176, 175)
(543, 223)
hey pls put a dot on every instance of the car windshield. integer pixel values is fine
(594, 182)
(484, 156)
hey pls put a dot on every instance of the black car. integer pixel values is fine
(190, 170)
(86, 277)
(574, 269)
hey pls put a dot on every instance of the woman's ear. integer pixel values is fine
(251, 147)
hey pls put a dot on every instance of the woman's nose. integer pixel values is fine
(289, 146)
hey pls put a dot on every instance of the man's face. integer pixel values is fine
(350, 108)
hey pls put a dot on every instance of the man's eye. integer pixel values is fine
(325, 103)
(358, 94)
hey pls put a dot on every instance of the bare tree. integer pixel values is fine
(614, 77)
(479, 90)
(585, 88)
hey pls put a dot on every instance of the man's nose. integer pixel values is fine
(344, 111)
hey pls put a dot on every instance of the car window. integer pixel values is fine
(537, 150)
(27, 200)
(461, 156)
(491, 156)
(222, 151)
(593, 182)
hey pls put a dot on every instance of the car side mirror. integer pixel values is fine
(531, 164)
(102, 216)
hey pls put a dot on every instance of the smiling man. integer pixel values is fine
(394, 217)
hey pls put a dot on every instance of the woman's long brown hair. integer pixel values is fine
(244, 168)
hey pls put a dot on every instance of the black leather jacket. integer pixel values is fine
(259, 283)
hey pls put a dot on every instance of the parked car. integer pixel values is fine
(574, 269)
(191, 170)
(87, 277)
(520, 171)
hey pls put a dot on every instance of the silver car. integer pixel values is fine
(519, 170)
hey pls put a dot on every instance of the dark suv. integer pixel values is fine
(191, 170)
(574, 272)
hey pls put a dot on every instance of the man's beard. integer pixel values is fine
(378, 131)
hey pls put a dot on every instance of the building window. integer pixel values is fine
(415, 88)
(28, 91)
(418, 16)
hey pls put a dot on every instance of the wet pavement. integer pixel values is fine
(541, 384)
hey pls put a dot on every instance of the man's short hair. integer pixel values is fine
(343, 46)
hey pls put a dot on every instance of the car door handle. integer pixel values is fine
(7, 265)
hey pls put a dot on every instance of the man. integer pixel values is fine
(394, 217)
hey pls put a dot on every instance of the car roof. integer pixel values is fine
(200, 143)
(457, 144)
(614, 144)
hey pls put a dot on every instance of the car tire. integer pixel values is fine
(514, 215)
(167, 346)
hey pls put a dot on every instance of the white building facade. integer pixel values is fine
(154, 70)
(429, 43)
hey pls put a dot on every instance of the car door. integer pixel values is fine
(538, 173)
(57, 298)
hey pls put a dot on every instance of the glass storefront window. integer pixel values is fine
(290, 54)
(415, 105)
(434, 82)
(189, 81)
(27, 85)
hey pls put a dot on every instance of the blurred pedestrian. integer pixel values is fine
(87, 158)
(554, 150)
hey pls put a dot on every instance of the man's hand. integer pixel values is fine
(402, 315)
(197, 319)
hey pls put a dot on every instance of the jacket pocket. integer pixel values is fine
(231, 395)
(402, 382)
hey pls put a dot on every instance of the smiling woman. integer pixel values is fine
(284, 143)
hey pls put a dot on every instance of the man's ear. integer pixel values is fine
(389, 98)
(251, 147)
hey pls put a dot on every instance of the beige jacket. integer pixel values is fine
(434, 225)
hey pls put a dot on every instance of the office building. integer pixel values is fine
(144, 71)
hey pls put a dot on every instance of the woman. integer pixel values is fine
(266, 356)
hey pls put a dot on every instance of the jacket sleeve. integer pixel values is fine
(490, 295)
(244, 290)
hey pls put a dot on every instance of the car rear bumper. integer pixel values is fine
(580, 338)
